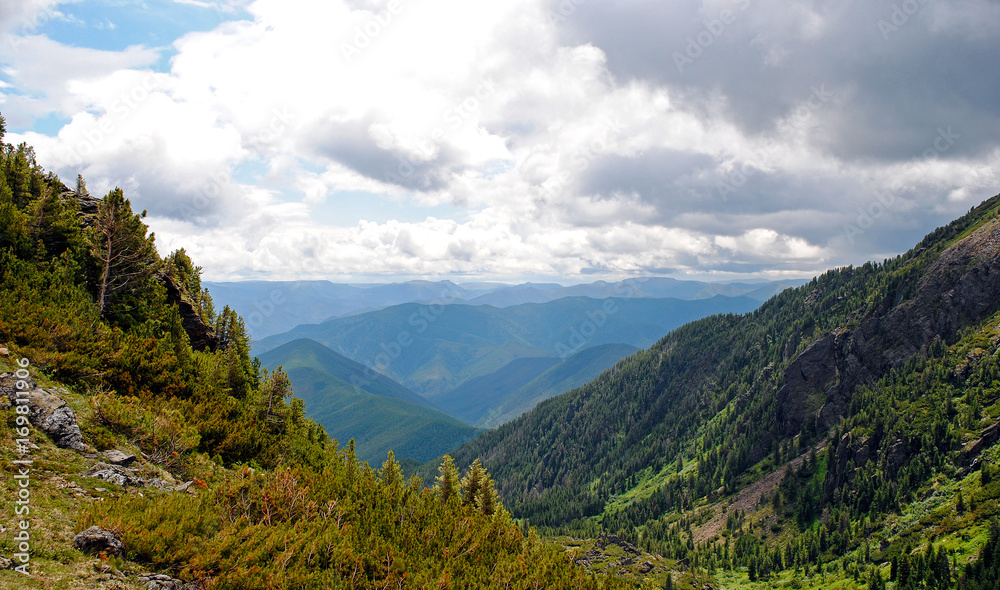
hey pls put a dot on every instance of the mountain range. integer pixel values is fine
(273, 307)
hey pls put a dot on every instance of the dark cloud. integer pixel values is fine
(352, 145)
(894, 86)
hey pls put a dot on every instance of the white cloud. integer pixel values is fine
(556, 165)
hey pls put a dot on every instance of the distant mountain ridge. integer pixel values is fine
(273, 307)
(432, 349)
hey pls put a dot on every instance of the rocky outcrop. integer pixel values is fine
(201, 335)
(97, 540)
(48, 412)
(961, 287)
(971, 451)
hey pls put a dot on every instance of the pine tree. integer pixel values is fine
(392, 476)
(488, 497)
(119, 242)
(875, 581)
(447, 482)
(472, 483)
(81, 186)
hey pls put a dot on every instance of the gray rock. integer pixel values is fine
(116, 457)
(154, 581)
(97, 540)
(116, 474)
(48, 412)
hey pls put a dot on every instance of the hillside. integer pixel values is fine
(843, 425)
(271, 307)
(351, 402)
(491, 400)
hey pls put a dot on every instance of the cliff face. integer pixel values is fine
(960, 288)
(201, 335)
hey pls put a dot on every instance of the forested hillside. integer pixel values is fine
(153, 386)
(353, 402)
(845, 429)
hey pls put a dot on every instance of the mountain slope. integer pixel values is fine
(306, 353)
(862, 391)
(472, 399)
(350, 402)
(574, 371)
(491, 400)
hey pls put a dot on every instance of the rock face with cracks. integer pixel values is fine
(960, 288)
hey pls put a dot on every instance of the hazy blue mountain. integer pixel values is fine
(473, 399)
(491, 400)
(652, 287)
(275, 307)
(435, 348)
(575, 371)
(352, 402)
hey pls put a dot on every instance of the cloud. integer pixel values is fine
(718, 138)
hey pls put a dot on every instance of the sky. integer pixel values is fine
(568, 140)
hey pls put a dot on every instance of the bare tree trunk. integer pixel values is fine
(107, 271)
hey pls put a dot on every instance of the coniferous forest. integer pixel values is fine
(843, 435)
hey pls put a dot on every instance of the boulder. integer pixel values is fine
(48, 412)
(116, 457)
(97, 540)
